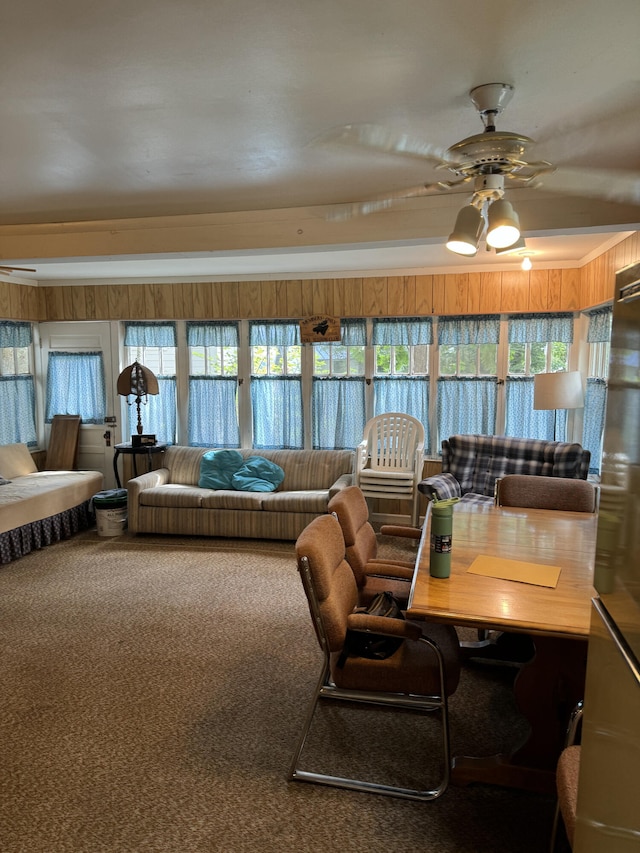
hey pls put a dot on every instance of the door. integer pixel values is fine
(97, 440)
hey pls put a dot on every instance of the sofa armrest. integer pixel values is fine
(342, 482)
(440, 486)
(137, 485)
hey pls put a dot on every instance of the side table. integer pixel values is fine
(127, 448)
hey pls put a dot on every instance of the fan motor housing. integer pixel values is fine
(499, 150)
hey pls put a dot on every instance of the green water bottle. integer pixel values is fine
(441, 536)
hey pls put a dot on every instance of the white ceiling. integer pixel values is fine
(161, 139)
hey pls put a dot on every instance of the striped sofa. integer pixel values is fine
(471, 464)
(169, 499)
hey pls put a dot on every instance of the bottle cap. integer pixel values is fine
(444, 505)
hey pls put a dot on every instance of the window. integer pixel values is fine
(595, 399)
(338, 389)
(17, 394)
(537, 344)
(276, 385)
(468, 381)
(401, 373)
(154, 345)
(213, 384)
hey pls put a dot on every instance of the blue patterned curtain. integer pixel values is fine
(466, 405)
(17, 393)
(595, 398)
(213, 413)
(459, 331)
(217, 333)
(404, 394)
(353, 333)
(338, 407)
(276, 401)
(402, 331)
(338, 402)
(158, 413)
(408, 394)
(540, 328)
(75, 386)
(17, 404)
(523, 421)
(146, 334)
(277, 412)
(275, 333)
(14, 335)
(599, 325)
(595, 402)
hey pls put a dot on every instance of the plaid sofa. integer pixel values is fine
(471, 464)
(169, 500)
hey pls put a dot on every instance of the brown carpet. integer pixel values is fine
(152, 691)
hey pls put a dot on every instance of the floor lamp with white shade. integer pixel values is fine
(561, 390)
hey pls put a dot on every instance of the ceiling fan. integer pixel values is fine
(489, 162)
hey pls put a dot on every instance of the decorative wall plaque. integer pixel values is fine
(320, 328)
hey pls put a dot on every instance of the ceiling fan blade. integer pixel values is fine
(387, 200)
(380, 138)
(610, 184)
(17, 269)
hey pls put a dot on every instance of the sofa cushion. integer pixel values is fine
(232, 499)
(173, 495)
(217, 468)
(308, 500)
(257, 474)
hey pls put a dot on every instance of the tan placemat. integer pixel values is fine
(515, 570)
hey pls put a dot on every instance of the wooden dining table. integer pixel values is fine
(557, 618)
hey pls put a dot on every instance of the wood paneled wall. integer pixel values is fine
(383, 296)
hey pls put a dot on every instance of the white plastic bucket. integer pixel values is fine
(111, 522)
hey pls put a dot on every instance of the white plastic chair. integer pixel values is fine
(389, 460)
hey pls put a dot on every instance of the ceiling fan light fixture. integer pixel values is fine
(463, 240)
(504, 226)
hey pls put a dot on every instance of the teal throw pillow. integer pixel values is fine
(258, 475)
(217, 468)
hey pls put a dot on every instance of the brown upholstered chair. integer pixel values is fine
(418, 676)
(372, 574)
(537, 492)
(567, 773)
